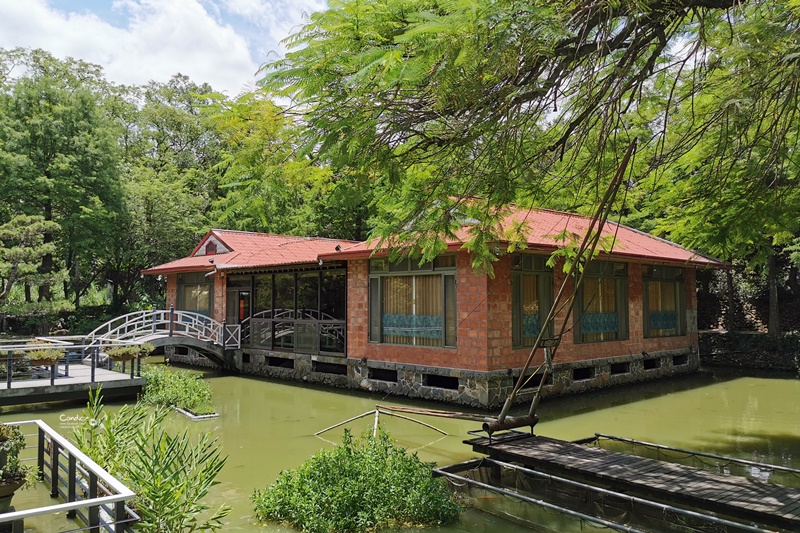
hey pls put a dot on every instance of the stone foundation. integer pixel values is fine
(461, 387)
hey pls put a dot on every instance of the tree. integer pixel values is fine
(22, 247)
(58, 152)
(535, 102)
(269, 185)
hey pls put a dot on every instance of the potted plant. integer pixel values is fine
(122, 353)
(13, 474)
(43, 357)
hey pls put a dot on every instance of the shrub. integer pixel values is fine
(362, 484)
(170, 474)
(177, 388)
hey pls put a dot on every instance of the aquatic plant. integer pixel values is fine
(177, 388)
(363, 484)
(171, 474)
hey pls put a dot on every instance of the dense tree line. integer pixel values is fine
(99, 181)
(406, 118)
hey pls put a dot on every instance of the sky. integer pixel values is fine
(221, 42)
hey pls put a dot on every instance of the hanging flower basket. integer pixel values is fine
(44, 357)
(123, 353)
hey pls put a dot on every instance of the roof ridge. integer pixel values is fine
(295, 237)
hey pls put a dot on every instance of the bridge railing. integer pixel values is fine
(141, 325)
(88, 492)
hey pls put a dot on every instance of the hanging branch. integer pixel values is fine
(584, 253)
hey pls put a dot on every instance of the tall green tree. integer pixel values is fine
(268, 184)
(58, 152)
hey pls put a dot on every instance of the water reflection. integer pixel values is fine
(268, 426)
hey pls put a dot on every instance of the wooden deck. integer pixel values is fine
(734, 496)
(74, 387)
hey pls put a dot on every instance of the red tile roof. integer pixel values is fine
(249, 250)
(542, 226)
(259, 250)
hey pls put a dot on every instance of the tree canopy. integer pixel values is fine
(535, 102)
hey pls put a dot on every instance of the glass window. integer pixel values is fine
(308, 296)
(300, 311)
(196, 298)
(284, 296)
(414, 310)
(262, 299)
(531, 295)
(333, 295)
(665, 312)
(602, 313)
(195, 293)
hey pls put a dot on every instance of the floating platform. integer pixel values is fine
(771, 505)
(72, 387)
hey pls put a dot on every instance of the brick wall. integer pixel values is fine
(484, 323)
(220, 293)
(471, 314)
(172, 291)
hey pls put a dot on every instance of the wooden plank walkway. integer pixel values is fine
(735, 496)
(75, 386)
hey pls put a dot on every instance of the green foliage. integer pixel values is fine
(179, 388)
(170, 474)
(22, 249)
(361, 485)
(47, 356)
(12, 470)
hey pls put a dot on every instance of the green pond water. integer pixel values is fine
(268, 426)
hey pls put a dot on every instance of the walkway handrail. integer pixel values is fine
(134, 327)
(120, 493)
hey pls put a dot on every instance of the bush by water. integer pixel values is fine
(363, 484)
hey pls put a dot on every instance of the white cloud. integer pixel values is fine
(278, 19)
(161, 38)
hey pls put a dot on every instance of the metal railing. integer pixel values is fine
(16, 365)
(87, 491)
(146, 325)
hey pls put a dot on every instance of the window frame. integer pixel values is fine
(529, 265)
(195, 279)
(664, 274)
(381, 268)
(291, 318)
(604, 270)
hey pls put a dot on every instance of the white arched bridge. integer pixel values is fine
(170, 328)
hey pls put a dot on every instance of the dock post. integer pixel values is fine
(171, 320)
(40, 455)
(139, 366)
(54, 453)
(94, 361)
(94, 510)
(53, 370)
(72, 479)
(133, 367)
(9, 369)
(119, 517)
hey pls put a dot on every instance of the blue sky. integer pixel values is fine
(222, 42)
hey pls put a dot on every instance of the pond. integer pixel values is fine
(268, 426)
